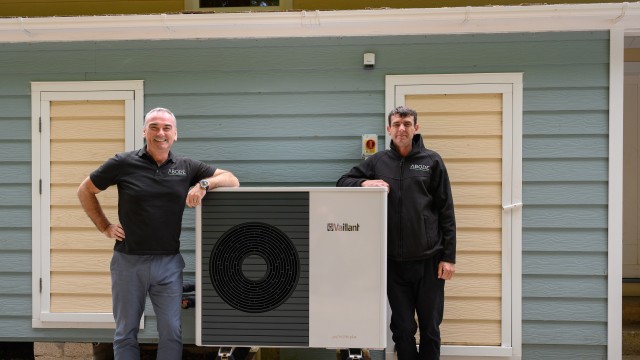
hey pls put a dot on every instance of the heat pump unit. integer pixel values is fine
(292, 267)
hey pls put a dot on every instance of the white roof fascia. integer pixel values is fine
(464, 20)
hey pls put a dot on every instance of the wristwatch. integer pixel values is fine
(204, 184)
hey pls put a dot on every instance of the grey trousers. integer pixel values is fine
(132, 278)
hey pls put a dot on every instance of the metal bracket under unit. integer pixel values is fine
(242, 353)
(355, 354)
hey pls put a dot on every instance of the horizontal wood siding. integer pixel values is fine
(464, 127)
(631, 186)
(292, 112)
(80, 132)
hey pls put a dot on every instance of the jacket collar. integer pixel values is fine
(417, 145)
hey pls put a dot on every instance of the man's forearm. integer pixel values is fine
(92, 208)
(223, 178)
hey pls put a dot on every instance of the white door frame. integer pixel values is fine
(510, 86)
(42, 94)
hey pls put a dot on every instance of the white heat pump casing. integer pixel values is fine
(346, 272)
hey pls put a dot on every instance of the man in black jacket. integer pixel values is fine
(421, 232)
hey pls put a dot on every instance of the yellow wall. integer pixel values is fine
(26, 8)
(632, 55)
(87, 7)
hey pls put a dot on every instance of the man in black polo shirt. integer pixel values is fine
(153, 187)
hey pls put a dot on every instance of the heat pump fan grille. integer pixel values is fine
(254, 267)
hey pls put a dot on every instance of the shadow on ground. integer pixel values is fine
(104, 351)
(16, 350)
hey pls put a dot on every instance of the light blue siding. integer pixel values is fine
(566, 332)
(546, 309)
(554, 352)
(583, 193)
(572, 239)
(15, 173)
(560, 170)
(560, 285)
(291, 112)
(12, 238)
(566, 123)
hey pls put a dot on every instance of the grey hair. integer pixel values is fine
(160, 109)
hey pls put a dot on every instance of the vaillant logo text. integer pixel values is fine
(343, 227)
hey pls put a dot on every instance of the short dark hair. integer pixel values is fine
(403, 112)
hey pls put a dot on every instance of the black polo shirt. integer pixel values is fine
(151, 198)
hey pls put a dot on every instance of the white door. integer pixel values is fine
(474, 121)
(77, 126)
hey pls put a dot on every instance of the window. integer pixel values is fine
(75, 127)
(238, 5)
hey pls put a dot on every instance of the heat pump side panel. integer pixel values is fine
(222, 324)
(347, 286)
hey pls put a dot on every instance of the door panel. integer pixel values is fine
(81, 132)
(474, 121)
(468, 127)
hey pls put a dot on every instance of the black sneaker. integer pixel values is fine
(188, 302)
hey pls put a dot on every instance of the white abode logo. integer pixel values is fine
(177, 172)
(343, 227)
(420, 167)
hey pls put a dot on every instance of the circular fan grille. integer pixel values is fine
(254, 267)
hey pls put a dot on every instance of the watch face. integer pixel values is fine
(204, 184)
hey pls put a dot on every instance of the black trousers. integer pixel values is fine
(413, 288)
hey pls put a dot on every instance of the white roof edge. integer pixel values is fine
(488, 19)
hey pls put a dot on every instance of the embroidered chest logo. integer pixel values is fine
(177, 172)
(420, 167)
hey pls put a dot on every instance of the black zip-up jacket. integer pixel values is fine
(420, 217)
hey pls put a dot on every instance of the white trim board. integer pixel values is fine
(379, 22)
(614, 253)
